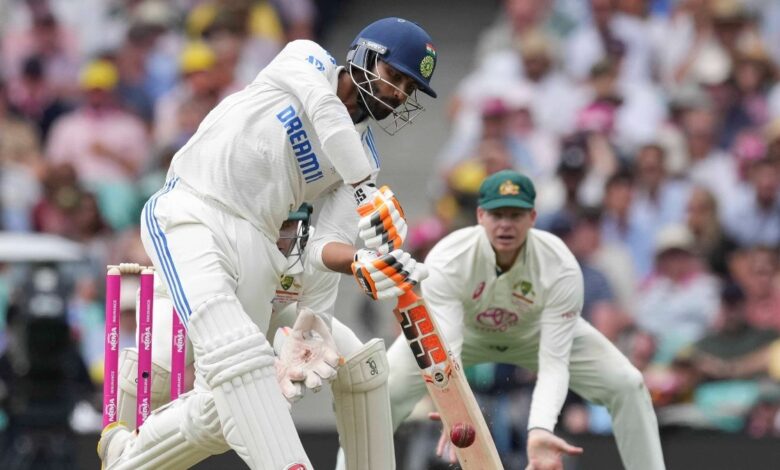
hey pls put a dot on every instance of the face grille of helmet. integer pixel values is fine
(365, 60)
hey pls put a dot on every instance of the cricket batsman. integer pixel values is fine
(297, 133)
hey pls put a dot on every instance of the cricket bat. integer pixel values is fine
(446, 383)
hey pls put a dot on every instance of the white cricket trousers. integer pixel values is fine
(201, 251)
(217, 265)
(599, 373)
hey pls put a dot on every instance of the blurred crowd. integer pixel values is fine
(651, 129)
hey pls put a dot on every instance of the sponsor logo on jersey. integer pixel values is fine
(568, 315)
(295, 466)
(478, 291)
(299, 140)
(496, 319)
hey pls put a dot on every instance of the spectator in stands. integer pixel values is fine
(607, 38)
(587, 160)
(52, 42)
(756, 271)
(657, 197)
(61, 192)
(600, 306)
(678, 303)
(131, 61)
(709, 166)
(750, 81)
(690, 53)
(20, 167)
(33, 96)
(107, 146)
(556, 98)
(612, 259)
(754, 218)
(735, 349)
(711, 241)
(619, 226)
(628, 112)
(101, 141)
(516, 18)
(198, 85)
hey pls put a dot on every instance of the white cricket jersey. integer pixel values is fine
(534, 307)
(258, 152)
(310, 288)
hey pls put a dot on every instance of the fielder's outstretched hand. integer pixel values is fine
(387, 276)
(307, 355)
(444, 449)
(545, 450)
(382, 225)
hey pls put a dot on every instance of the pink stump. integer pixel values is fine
(111, 346)
(178, 356)
(144, 385)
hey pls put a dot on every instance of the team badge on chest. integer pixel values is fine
(523, 293)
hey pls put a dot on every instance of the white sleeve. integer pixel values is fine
(337, 221)
(558, 320)
(306, 70)
(441, 295)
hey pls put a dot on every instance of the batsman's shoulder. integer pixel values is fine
(313, 52)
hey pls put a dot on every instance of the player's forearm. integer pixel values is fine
(549, 394)
(338, 257)
(345, 151)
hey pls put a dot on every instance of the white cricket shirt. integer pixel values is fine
(533, 308)
(258, 152)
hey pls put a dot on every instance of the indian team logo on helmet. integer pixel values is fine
(426, 66)
(429, 61)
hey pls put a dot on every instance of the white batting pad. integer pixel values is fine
(237, 363)
(128, 375)
(176, 436)
(362, 405)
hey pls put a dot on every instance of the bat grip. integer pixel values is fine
(406, 299)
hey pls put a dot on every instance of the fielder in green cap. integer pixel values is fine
(507, 188)
(504, 291)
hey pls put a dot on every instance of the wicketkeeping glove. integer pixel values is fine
(387, 276)
(306, 355)
(382, 224)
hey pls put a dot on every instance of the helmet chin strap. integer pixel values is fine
(364, 112)
(294, 265)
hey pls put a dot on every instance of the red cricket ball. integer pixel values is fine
(462, 435)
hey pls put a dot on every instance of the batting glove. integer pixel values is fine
(382, 224)
(387, 276)
(307, 356)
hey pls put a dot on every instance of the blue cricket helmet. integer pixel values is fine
(402, 44)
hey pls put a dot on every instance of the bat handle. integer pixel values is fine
(406, 299)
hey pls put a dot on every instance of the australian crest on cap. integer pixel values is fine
(508, 188)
